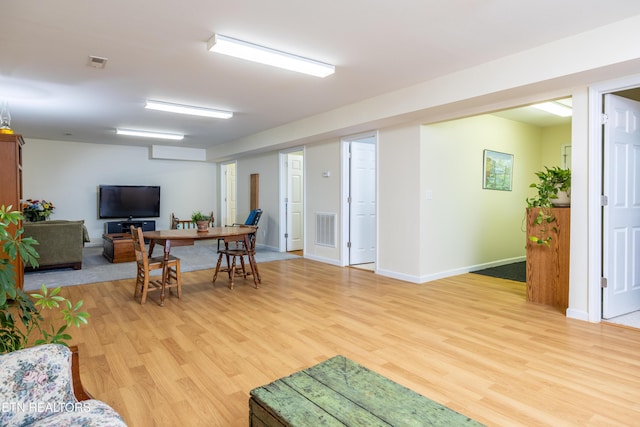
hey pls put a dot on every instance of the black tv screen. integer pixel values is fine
(128, 201)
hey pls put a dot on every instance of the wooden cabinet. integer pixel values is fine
(11, 184)
(118, 247)
(548, 266)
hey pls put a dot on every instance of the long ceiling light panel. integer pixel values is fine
(264, 55)
(157, 135)
(556, 108)
(187, 109)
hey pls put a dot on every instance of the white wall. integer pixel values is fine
(554, 137)
(580, 195)
(399, 225)
(68, 174)
(266, 165)
(468, 227)
(322, 194)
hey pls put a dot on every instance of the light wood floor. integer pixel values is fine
(469, 342)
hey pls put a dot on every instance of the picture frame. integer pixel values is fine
(497, 171)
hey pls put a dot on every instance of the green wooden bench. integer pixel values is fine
(340, 392)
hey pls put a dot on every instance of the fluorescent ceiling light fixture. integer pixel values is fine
(554, 108)
(187, 109)
(157, 135)
(253, 52)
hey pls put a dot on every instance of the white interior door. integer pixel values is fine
(229, 196)
(295, 191)
(621, 215)
(362, 215)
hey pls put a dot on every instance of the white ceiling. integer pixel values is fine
(156, 49)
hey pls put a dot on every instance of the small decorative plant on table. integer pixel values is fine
(554, 189)
(201, 220)
(21, 321)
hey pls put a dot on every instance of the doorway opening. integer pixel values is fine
(359, 223)
(621, 209)
(292, 196)
(603, 180)
(228, 194)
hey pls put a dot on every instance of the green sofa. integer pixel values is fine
(60, 242)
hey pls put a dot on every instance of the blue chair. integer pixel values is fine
(253, 218)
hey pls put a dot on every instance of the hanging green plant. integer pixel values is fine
(552, 182)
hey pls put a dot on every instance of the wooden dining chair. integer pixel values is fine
(234, 250)
(177, 223)
(251, 221)
(169, 279)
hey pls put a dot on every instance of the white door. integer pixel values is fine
(362, 215)
(621, 215)
(295, 193)
(229, 196)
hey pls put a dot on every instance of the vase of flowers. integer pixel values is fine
(37, 210)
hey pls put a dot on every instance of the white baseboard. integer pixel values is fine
(578, 314)
(448, 273)
(322, 259)
(266, 247)
(399, 276)
(496, 263)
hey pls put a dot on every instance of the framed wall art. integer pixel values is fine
(497, 171)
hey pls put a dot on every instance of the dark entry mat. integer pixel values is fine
(516, 271)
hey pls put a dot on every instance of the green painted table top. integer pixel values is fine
(340, 392)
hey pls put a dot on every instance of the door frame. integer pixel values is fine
(282, 190)
(595, 185)
(345, 192)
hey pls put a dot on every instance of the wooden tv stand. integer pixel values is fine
(118, 247)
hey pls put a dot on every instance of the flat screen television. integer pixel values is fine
(128, 201)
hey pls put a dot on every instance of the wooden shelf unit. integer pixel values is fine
(11, 185)
(548, 266)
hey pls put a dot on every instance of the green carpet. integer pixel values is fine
(516, 271)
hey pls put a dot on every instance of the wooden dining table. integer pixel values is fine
(180, 237)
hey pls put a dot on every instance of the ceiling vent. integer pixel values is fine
(97, 62)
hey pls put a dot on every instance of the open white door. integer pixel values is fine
(362, 215)
(621, 215)
(228, 214)
(294, 202)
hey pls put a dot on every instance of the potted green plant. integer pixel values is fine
(201, 220)
(554, 189)
(21, 321)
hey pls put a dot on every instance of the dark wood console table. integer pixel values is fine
(118, 247)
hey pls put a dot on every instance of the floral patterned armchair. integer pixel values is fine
(40, 386)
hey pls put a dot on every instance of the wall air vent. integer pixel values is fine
(326, 229)
(97, 62)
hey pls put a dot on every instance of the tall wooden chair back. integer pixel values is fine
(252, 221)
(145, 283)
